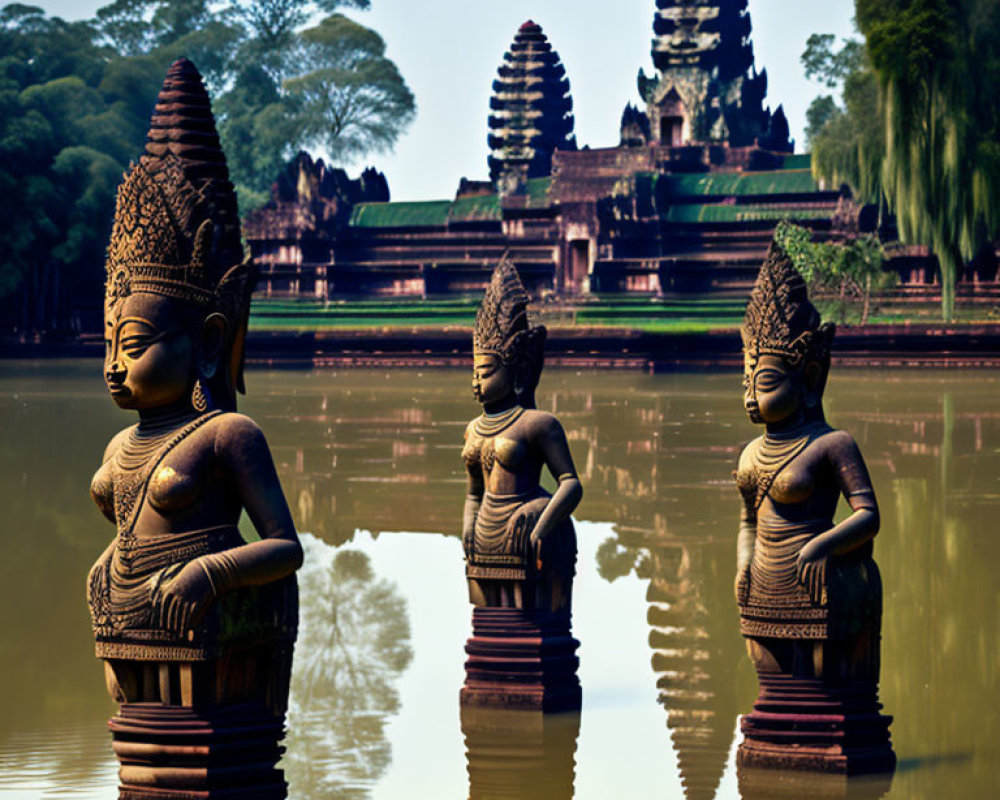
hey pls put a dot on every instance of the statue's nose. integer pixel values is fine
(114, 372)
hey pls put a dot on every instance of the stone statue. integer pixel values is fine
(809, 592)
(520, 547)
(194, 624)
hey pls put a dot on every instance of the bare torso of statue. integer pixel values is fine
(808, 589)
(186, 613)
(519, 541)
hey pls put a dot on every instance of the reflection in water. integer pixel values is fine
(520, 755)
(380, 452)
(769, 784)
(693, 651)
(354, 643)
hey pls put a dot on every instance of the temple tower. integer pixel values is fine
(707, 89)
(531, 112)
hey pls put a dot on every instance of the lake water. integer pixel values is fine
(370, 464)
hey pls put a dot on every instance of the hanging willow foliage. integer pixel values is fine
(851, 146)
(938, 66)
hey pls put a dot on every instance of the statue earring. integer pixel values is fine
(199, 397)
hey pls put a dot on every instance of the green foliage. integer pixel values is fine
(352, 98)
(847, 140)
(938, 69)
(278, 85)
(849, 271)
(75, 101)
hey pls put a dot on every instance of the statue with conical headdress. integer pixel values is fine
(195, 625)
(808, 589)
(520, 547)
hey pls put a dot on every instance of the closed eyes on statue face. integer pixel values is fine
(150, 351)
(492, 382)
(773, 390)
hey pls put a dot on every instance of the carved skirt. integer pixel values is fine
(124, 589)
(501, 543)
(778, 606)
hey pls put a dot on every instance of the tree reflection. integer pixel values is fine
(354, 643)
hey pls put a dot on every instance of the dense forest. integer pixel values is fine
(917, 128)
(76, 97)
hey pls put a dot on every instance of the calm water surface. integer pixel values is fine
(370, 464)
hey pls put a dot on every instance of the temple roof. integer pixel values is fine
(531, 112)
(439, 213)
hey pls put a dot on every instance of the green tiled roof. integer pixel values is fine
(472, 209)
(537, 190)
(400, 215)
(798, 161)
(740, 184)
(717, 212)
(437, 213)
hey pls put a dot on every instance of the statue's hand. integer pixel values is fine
(811, 570)
(536, 549)
(742, 585)
(182, 598)
(468, 536)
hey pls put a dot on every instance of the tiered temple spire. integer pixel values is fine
(708, 89)
(531, 111)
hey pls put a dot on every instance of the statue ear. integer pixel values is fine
(213, 339)
(812, 377)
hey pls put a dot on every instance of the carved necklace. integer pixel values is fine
(775, 453)
(492, 424)
(142, 451)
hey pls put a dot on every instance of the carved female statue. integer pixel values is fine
(808, 590)
(519, 541)
(185, 611)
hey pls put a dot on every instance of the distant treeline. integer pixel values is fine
(917, 128)
(75, 101)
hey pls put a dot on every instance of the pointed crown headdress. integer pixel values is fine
(780, 320)
(176, 230)
(502, 329)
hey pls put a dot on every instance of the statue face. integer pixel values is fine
(492, 380)
(149, 356)
(772, 391)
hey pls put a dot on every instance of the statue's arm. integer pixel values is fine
(473, 500)
(746, 537)
(569, 492)
(860, 527)
(242, 450)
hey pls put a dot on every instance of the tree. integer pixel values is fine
(850, 271)
(278, 85)
(847, 140)
(937, 64)
(352, 98)
(69, 123)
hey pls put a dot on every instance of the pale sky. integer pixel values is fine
(449, 50)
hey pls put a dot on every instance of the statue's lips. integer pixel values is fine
(119, 390)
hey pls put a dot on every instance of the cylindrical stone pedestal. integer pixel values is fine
(521, 659)
(182, 753)
(809, 724)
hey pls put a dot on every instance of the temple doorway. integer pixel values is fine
(579, 265)
(672, 130)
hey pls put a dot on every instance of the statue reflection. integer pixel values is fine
(520, 755)
(771, 784)
(354, 643)
(694, 651)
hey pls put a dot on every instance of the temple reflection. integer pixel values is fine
(520, 755)
(354, 643)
